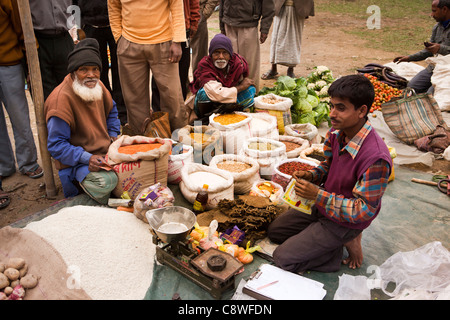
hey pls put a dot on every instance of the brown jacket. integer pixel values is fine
(191, 14)
(11, 35)
(87, 121)
(303, 8)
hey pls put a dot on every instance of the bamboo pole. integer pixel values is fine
(38, 95)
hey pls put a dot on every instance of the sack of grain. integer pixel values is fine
(266, 152)
(139, 162)
(245, 170)
(314, 153)
(206, 142)
(195, 175)
(176, 163)
(235, 129)
(277, 106)
(305, 131)
(264, 125)
(282, 173)
(294, 145)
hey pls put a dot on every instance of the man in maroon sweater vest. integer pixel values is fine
(347, 188)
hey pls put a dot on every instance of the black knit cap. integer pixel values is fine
(85, 53)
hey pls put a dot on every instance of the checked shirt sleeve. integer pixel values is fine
(367, 196)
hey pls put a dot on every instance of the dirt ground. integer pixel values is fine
(324, 43)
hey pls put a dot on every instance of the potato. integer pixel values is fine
(14, 283)
(15, 263)
(2, 267)
(8, 290)
(29, 281)
(23, 271)
(3, 296)
(4, 281)
(12, 274)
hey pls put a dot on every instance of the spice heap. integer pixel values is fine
(230, 118)
(139, 147)
(233, 166)
(199, 137)
(290, 145)
(290, 167)
(262, 146)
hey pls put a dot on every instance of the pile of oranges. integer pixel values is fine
(383, 92)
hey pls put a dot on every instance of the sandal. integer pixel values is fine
(36, 173)
(5, 200)
(269, 75)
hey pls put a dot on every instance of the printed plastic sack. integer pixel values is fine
(281, 109)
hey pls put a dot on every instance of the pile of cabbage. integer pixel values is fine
(309, 95)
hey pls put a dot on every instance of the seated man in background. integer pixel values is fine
(356, 170)
(222, 77)
(439, 44)
(82, 122)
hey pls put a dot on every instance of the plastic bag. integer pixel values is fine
(153, 197)
(426, 268)
(352, 288)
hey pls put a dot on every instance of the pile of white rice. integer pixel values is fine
(109, 253)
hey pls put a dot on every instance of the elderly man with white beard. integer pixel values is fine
(82, 121)
(222, 77)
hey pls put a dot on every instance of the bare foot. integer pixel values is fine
(355, 254)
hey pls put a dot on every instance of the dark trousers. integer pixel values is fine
(308, 242)
(53, 51)
(422, 82)
(105, 38)
(183, 70)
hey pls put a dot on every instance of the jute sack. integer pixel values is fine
(140, 170)
(220, 184)
(243, 180)
(205, 140)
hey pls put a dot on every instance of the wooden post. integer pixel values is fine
(38, 94)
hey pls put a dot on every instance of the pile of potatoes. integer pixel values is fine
(14, 279)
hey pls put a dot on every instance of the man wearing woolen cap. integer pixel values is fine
(222, 77)
(82, 122)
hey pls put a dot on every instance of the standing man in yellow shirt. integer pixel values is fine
(149, 36)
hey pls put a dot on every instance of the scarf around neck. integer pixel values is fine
(237, 69)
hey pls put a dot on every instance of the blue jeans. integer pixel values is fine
(12, 94)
